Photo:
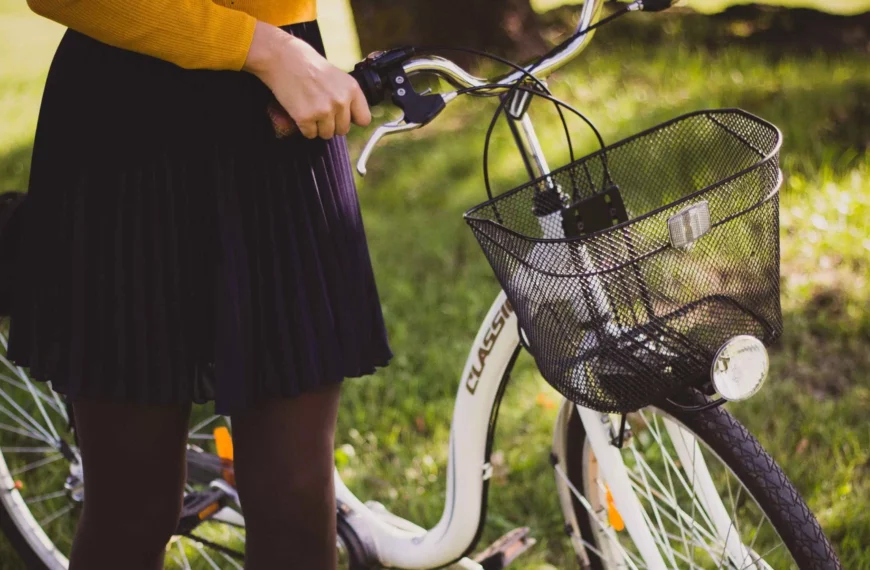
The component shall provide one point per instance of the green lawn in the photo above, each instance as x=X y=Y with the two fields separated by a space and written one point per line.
x=436 y=286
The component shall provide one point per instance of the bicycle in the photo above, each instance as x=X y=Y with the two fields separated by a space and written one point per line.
x=650 y=489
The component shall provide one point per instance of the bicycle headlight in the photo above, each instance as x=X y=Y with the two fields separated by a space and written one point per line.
x=740 y=367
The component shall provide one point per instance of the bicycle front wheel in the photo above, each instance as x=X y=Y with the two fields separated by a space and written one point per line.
x=711 y=497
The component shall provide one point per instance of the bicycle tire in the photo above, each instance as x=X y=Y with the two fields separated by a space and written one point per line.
x=741 y=452
x=29 y=558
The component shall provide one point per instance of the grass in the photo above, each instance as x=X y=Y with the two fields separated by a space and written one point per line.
x=436 y=286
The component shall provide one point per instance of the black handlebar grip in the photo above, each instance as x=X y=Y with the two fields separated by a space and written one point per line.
x=376 y=68
x=370 y=82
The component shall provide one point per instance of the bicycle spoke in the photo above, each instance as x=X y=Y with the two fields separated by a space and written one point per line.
x=55 y=515
x=183 y=555
x=231 y=561
x=27 y=449
x=674 y=494
x=32 y=422
x=761 y=557
x=36 y=464
x=667 y=457
x=46 y=497
x=19 y=431
x=751 y=547
x=604 y=528
x=694 y=543
x=54 y=403
x=202 y=424
x=236 y=532
x=660 y=540
x=658 y=518
x=673 y=502
x=61 y=406
x=733 y=505
x=42 y=411
x=725 y=550
x=697 y=534
x=642 y=463
x=30 y=388
x=700 y=531
x=199 y=548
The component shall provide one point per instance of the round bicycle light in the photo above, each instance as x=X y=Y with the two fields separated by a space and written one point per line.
x=740 y=367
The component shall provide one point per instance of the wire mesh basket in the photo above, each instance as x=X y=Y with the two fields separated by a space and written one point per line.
x=629 y=268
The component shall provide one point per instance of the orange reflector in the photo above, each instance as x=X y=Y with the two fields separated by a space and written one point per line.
x=208 y=511
x=612 y=514
x=224 y=443
x=18 y=485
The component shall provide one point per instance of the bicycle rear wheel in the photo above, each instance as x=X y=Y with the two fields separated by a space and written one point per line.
x=41 y=480
x=682 y=487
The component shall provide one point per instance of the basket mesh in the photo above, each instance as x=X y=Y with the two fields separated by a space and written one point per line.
x=618 y=318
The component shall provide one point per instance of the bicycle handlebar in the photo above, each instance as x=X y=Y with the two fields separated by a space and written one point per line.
x=389 y=71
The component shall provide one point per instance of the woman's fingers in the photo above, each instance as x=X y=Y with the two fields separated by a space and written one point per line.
x=359 y=108
x=307 y=128
x=342 y=121
x=326 y=127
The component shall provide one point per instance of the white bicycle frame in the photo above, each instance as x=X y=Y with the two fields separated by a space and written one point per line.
x=397 y=543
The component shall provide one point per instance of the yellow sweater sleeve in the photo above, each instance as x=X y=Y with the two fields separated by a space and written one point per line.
x=194 y=34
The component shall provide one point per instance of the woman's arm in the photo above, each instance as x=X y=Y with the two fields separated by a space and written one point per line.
x=194 y=34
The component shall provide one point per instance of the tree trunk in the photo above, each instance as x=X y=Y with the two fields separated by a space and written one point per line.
x=508 y=28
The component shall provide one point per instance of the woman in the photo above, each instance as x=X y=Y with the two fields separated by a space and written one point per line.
x=184 y=245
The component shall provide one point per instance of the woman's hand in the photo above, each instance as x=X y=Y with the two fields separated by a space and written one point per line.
x=319 y=97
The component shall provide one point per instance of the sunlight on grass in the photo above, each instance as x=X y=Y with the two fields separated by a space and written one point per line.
x=32 y=40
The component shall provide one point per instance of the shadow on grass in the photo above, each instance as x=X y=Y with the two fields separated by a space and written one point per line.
x=15 y=168
x=824 y=348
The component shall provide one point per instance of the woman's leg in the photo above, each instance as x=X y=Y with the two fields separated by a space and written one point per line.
x=284 y=473
x=134 y=467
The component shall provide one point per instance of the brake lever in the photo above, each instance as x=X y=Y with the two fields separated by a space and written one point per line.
x=432 y=106
x=391 y=128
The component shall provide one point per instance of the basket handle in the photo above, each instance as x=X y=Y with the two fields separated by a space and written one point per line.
x=560 y=105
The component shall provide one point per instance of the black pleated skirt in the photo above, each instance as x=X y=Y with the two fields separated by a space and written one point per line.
x=175 y=250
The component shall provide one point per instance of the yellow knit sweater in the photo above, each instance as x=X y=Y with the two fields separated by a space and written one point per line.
x=194 y=34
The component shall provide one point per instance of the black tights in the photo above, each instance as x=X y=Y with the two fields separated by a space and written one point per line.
x=134 y=466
